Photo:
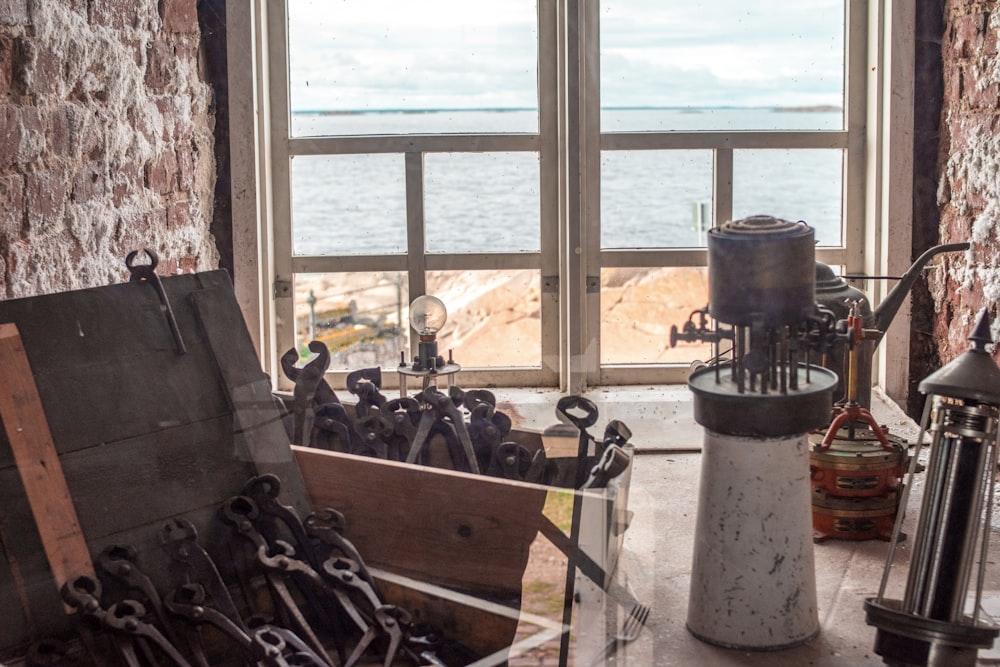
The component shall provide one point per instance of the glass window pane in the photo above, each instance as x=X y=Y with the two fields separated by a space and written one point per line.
x=792 y=184
x=716 y=54
x=655 y=199
x=348 y=205
x=494 y=317
x=481 y=202
x=357 y=315
x=638 y=307
x=377 y=56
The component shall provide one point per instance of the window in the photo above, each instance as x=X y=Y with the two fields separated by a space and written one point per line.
x=547 y=168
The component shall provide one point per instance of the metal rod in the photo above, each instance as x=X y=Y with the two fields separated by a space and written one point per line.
x=738 y=361
x=931 y=551
x=897 y=527
x=985 y=543
x=970 y=533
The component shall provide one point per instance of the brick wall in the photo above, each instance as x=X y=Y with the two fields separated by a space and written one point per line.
x=969 y=187
x=106 y=142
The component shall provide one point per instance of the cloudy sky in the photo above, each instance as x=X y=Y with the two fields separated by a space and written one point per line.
x=462 y=54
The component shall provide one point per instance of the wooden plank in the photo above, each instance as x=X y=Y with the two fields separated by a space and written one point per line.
x=38 y=463
x=449 y=528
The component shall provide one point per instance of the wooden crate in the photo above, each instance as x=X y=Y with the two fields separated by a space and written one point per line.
x=456 y=532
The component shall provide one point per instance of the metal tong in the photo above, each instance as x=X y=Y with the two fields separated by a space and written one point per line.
x=146 y=273
x=123 y=619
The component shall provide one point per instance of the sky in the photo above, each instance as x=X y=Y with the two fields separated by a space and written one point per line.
x=471 y=54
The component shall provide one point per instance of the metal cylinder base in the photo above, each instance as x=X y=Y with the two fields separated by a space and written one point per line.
x=907 y=640
x=753 y=576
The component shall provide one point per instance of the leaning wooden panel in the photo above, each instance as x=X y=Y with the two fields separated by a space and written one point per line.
x=105 y=364
x=143 y=433
x=455 y=529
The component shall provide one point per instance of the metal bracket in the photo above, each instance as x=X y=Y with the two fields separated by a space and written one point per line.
x=593 y=284
x=550 y=284
x=282 y=288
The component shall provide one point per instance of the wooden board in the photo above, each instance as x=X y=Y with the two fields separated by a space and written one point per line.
x=142 y=433
x=455 y=529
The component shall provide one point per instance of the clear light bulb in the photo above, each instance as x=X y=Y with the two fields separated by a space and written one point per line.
x=428 y=315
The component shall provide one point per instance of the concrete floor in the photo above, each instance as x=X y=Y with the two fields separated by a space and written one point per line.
x=656 y=559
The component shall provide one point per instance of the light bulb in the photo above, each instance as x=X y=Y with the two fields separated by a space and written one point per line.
x=428 y=315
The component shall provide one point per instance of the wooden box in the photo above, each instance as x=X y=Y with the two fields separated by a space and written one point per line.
x=463 y=540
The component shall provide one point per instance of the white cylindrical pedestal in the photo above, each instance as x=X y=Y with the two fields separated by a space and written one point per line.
x=753 y=576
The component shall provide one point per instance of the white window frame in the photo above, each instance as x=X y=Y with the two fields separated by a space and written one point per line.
x=876 y=210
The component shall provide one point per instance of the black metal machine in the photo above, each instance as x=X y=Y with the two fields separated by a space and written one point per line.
x=939 y=622
x=762 y=285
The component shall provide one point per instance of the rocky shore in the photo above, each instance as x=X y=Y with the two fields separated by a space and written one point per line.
x=494 y=317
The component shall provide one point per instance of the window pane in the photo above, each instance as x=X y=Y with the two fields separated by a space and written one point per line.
x=638 y=307
x=348 y=205
x=730 y=53
x=494 y=317
x=481 y=202
x=374 y=56
x=357 y=315
x=655 y=199
x=791 y=184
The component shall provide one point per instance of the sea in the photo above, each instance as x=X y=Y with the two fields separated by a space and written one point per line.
x=489 y=202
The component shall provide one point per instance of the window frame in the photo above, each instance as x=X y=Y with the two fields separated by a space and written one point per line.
x=878 y=37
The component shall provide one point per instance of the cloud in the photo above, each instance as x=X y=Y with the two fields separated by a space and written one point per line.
x=400 y=54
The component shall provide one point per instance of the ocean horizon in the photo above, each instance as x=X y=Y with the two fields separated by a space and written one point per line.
x=489 y=202
x=822 y=108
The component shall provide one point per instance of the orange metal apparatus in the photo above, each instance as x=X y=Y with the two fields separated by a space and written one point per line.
x=840 y=518
x=851 y=412
x=856 y=467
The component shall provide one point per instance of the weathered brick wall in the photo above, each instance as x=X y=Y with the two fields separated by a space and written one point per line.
x=969 y=190
x=106 y=142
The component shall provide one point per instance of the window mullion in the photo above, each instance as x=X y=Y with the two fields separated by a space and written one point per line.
x=549 y=185
x=855 y=109
x=581 y=275
x=590 y=93
x=415 y=234
x=283 y=323
x=722 y=186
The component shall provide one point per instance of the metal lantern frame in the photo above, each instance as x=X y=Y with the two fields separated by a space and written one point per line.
x=929 y=625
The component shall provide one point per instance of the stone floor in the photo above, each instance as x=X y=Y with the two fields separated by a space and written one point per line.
x=656 y=559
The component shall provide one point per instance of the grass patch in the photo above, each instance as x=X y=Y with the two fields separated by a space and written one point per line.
x=559 y=509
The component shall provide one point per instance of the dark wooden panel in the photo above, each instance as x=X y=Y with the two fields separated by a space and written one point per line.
x=143 y=433
x=106 y=366
x=139 y=481
x=32 y=608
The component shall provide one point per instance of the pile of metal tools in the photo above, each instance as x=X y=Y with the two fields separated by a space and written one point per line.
x=455 y=429
x=300 y=595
